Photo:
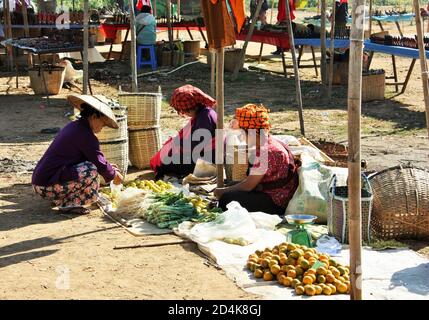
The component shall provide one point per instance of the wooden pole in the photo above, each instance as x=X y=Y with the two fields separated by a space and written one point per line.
x=323 y=45
x=295 y=69
x=370 y=17
x=170 y=29
x=332 y=48
x=246 y=42
x=354 y=157
x=220 y=112
x=154 y=7
x=422 y=55
x=26 y=28
x=8 y=33
x=85 y=46
x=133 y=59
x=213 y=72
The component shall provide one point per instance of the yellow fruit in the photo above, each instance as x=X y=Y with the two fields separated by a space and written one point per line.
x=272 y=262
x=294 y=254
x=321 y=279
x=268 y=276
x=332 y=263
x=311 y=271
x=312 y=261
x=307 y=280
x=291 y=247
x=321 y=270
x=253 y=256
x=283 y=261
x=333 y=288
x=281 y=279
x=285 y=268
x=291 y=273
x=341 y=288
x=299 y=290
x=287 y=281
x=323 y=257
x=283 y=255
x=264 y=263
x=346 y=277
x=295 y=283
x=330 y=278
x=290 y=261
x=258 y=252
x=299 y=271
x=327 y=291
x=335 y=272
x=318 y=289
x=304 y=264
x=258 y=273
x=310 y=290
x=342 y=279
x=308 y=254
x=275 y=269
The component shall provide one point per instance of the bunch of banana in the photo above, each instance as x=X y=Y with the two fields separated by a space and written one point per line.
x=158 y=186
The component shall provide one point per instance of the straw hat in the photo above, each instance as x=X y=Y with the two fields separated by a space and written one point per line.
x=99 y=103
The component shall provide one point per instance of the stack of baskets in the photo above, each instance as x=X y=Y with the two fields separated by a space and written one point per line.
x=144 y=113
x=114 y=142
x=338 y=216
x=401 y=203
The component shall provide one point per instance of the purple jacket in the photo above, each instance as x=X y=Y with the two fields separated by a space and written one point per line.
x=74 y=144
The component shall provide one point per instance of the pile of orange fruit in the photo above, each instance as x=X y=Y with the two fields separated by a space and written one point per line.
x=301 y=268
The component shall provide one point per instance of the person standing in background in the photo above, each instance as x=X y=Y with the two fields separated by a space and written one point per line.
x=262 y=13
x=281 y=17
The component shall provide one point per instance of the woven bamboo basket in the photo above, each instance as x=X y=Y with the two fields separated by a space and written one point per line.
x=373 y=87
x=116 y=152
x=108 y=134
x=401 y=203
x=144 y=143
x=144 y=109
x=235 y=169
x=338 y=206
x=232 y=58
x=192 y=49
x=53 y=76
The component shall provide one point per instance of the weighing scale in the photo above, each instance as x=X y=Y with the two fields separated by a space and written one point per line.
x=300 y=235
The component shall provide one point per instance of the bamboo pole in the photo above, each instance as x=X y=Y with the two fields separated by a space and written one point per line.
x=323 y=45
x=133 y=59
x=246 y=42
x=85 y=46
x=422 y=54
x=220 y=113
x=170 y=30
x=8 y=33
x=295 y=69
x=370 y=17
x=154 y=7
x=331 y=51
x=354 y=157
x=212 y=72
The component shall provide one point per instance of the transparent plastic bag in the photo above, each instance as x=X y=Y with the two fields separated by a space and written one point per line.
x=329 y=245
x=235 y=223
x=265 y=221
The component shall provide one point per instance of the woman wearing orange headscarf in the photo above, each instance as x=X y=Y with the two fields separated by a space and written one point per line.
x=273 y=177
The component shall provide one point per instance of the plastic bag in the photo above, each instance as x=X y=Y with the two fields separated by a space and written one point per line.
x=131 y=202
x=265 y=221
x=289 y=140
x=235 y=224
x=311 y=197
x=329 y=245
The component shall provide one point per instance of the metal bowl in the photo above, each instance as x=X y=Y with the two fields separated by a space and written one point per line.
x=300 y=218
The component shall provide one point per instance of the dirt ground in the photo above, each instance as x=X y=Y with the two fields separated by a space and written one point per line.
x=40 y=249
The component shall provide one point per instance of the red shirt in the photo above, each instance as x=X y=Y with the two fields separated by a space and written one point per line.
x=276 y=162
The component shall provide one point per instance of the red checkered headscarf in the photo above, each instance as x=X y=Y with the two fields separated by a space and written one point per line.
x=187 y=98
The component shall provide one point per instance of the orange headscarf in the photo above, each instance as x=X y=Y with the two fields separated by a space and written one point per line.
x=252 y=116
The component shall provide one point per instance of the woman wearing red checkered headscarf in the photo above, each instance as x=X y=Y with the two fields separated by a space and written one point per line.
x=196 y=140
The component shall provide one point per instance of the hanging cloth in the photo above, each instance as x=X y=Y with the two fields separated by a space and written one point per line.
x=220 y=30
x=237 y=7
x=281 y=15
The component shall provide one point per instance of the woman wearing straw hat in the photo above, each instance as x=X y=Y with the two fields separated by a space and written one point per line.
x=196 y=140
x=67 y=173
x=273 y=177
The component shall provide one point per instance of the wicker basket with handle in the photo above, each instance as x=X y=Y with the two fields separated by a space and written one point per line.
x=46 y=79
x=144 y=143
x=144 y=109
x=338 y=205
x=235 y=169
x=108 y=134
x=401 y=203
x=116 y=152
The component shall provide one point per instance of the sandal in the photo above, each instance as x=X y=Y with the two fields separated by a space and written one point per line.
x=74 y=210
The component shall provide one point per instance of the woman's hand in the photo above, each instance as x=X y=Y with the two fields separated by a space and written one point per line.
x=118 y=179
x=218 y=192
